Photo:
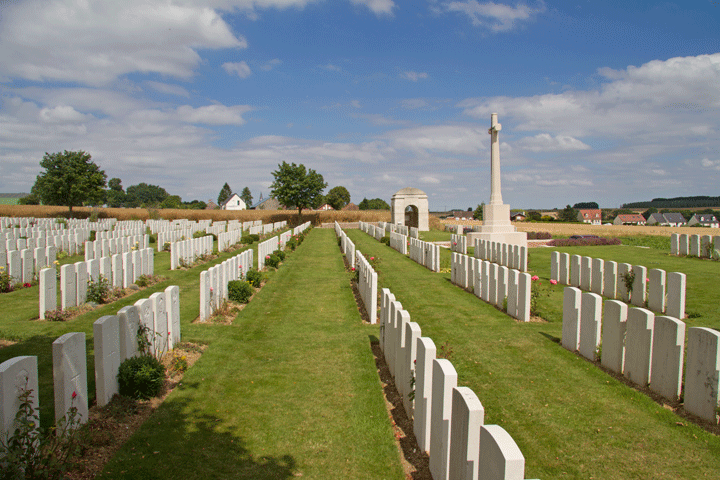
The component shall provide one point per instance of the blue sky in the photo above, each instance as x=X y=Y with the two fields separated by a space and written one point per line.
x=610 y=101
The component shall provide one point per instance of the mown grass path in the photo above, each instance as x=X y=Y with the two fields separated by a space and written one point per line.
x=289 y=389
x=569 y=418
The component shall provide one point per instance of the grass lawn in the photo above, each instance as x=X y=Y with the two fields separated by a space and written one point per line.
x=570 y=419
x=289 y=389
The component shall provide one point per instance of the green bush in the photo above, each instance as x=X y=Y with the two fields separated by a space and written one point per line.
x=292 y=243
x=98 y=291
x=152 y=238
x=255 y=237
x=272 y=261
x=385 y=240
x=141 y=377
x=247 y=239
x=255 y=278
x=280 y=254
x=239 y=291
x=93 y=236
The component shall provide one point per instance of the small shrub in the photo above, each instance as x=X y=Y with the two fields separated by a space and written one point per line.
x=152 y=238
x=583 y=242
x=272 y=261
x=255 y=237
x=6 y=281
x=166 y=246
x=385 y=240
x=247 y=239
x=179 y=363
x=255 y=278
x=57 y=315
x=292 y=243
x=280 y=255
x=539 y=236
x=141 y=377
x=98 y=292
x=239 y=291
x=92 y=236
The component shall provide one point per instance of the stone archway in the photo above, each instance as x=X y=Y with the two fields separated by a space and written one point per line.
x=410 y=208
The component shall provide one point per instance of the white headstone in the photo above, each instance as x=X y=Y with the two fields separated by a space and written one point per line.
x=638 y=345
x=571 y=318
x=667 y=357
x=106 y=340
x=613 y=335
x=17 y=375
x=702 y=373
x=500 y=457
x=444 y=380
x=468 y=415
x=70 y=375
x=426 y=352
x=129 y=319
x=591 y=310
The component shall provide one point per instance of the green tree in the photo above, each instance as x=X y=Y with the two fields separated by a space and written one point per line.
x=71 y=179
x=534 y=215
x=646 y=214
x=195 y=205
x=338 y=197
x=172 y=201
x=374 y=204
x=568 y=214
x=115 y=195
x=225 y=193
x=246 y=197
x=31 y=199
x=294 y=186
x=143 y=194
x=478 y=213
x=587 y=205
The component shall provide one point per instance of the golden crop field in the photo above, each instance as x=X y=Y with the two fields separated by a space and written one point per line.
x=566 y=229
x=267 y=216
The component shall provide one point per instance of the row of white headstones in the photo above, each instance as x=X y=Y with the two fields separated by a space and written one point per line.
x=447 y=419
x=645 y=348
x=654 y=288
x=114 y=339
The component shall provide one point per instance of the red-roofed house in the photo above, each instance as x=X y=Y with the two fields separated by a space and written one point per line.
x=592 y=216
x=629 y=219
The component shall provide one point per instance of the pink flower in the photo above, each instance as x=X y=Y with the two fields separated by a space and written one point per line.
x=647 y=280
x=74 y=394
x=372 y=258
x=267 y=257
x=534 y=278
x=353 y=269
x=239 y=266
x=211 y=289
x=554 y=282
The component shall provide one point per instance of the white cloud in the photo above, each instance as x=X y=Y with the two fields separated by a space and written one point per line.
x=414 y=76
x=168 y=88
x=707 y=163
x=62 y=114
x=213 y=114
x=241 y=69
x=269 y=65
x=331 y=68
x=96 y=42
x=459 y=140
x=497 y=17
x=355 y=104
x=429 y=179
x=545 y=142
x=378 y=7
x=414 y=103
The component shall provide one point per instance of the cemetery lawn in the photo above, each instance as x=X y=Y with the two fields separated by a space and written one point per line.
x=569 y=418
x=290 y=389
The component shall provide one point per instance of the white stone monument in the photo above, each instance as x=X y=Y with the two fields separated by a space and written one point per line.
x=496 y=225
x=410 y=208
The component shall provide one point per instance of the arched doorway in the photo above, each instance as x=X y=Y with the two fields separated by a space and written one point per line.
x=411 y=216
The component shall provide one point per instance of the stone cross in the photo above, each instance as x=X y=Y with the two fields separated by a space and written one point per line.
x=495 y=194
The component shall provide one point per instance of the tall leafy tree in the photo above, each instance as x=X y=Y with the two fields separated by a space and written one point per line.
x=225 y=193
x=373 y=204
x=71 y=179
x=568 y=214
x=478 y=213
x=144 y=194
x=338 y=197
x=295 y=186
x=115 y=195
x=246 y=197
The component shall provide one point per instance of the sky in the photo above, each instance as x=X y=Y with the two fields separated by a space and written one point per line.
x=604 y=101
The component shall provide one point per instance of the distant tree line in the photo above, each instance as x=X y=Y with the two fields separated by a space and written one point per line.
x=677 y=202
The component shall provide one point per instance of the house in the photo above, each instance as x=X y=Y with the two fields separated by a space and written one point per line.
x=234 y=203
x=518 y=217
x=704 y=220
x=350 y=207
x=211 y=205
x=268 y=204
x=675 y=219
x=592 y=216
x=461 y=215
x=325 y=207
x=629 y=219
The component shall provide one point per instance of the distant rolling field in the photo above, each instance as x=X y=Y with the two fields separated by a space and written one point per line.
x=9 y=201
